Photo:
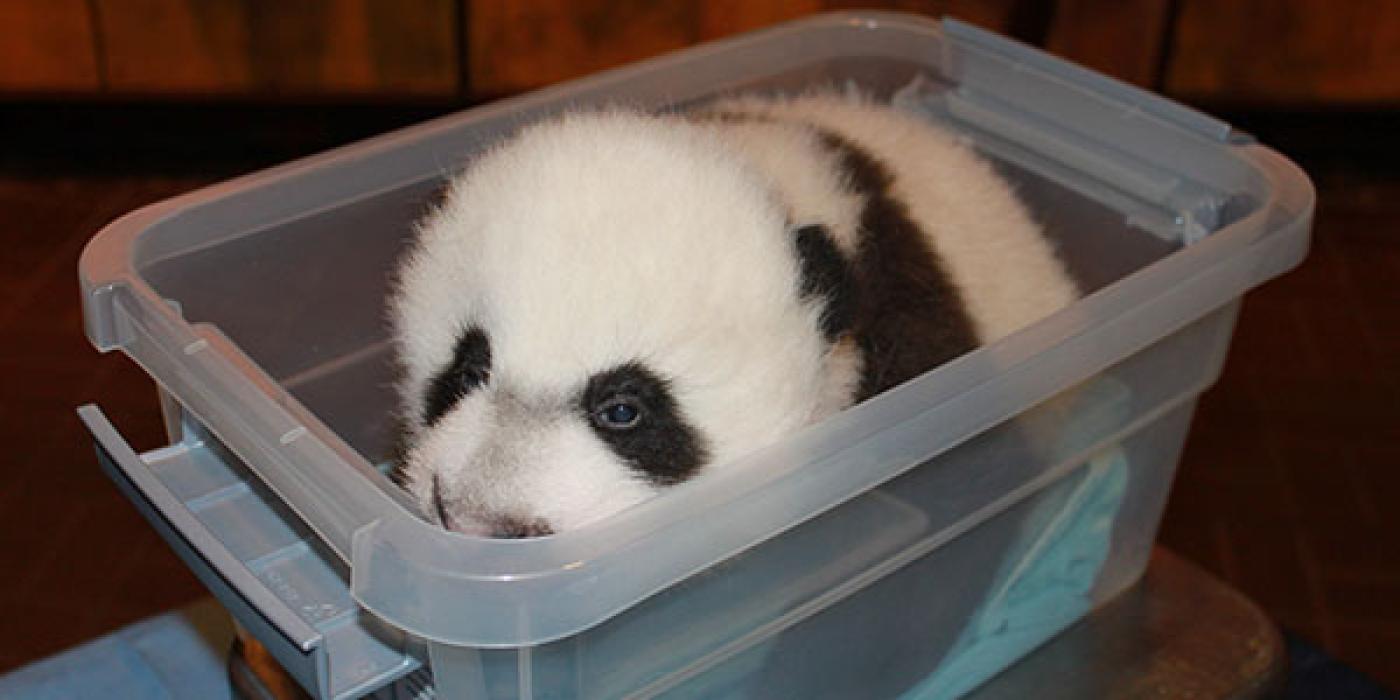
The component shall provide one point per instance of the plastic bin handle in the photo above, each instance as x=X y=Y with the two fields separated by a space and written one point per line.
x=298 y=646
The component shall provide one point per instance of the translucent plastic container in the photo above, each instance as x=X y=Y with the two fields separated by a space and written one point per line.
x=911 y=546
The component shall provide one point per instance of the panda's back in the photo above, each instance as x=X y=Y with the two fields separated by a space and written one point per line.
x=943 y=254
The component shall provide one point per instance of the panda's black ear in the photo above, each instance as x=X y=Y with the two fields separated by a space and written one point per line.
x=826 y=275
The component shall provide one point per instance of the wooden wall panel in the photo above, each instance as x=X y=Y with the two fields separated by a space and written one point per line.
x=1247 y=52
x=47 y=46
x=1287 y=51
x=1121 y=38
x=267 y=46
x=996 y=15
x=516 y=45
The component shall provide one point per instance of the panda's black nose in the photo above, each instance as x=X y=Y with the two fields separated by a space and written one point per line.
x=509 y=528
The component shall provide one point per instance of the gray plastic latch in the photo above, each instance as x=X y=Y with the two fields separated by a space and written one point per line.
x=259 y=561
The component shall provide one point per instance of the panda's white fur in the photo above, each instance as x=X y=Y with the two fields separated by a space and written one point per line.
x=599 y=239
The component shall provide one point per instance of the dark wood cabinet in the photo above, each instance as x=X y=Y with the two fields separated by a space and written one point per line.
x=257 y=48
x=264 y=46
x=370 y=48
x=1122 y=38
x=47 y=46
x=1275 y=52
x=513 y=46
x=1249 y=52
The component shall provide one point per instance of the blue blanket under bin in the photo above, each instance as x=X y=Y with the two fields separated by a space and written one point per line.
x=179 y=654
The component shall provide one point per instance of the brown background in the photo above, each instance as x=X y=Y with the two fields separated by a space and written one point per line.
x=1283 y=52
x=1290 y=486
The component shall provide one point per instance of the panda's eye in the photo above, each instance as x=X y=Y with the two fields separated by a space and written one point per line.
x=620 y=413
x=472 y=377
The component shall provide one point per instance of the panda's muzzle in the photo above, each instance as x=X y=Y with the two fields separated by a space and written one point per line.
x=504 y=527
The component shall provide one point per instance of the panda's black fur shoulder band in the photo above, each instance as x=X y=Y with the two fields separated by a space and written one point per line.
x=910 y=315
x=826 y=276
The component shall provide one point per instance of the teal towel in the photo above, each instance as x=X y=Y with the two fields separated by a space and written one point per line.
x=1046 y=584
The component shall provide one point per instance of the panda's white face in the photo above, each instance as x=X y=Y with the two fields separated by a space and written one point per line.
x=604 y=306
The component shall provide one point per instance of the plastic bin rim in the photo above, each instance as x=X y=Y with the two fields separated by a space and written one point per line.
x=99 y=271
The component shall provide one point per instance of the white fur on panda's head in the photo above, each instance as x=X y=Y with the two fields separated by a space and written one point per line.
x=601 y=307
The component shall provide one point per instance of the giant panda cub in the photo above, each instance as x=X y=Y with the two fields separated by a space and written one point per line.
x=612 y=302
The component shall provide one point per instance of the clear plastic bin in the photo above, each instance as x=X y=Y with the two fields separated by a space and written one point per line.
x=911 y=546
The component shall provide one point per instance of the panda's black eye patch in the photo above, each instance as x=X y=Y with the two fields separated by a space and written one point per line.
x=634 y=412
x=469 y=368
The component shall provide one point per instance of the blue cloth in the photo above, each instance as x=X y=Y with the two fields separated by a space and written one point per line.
x=1046 y=584
x=178 y=654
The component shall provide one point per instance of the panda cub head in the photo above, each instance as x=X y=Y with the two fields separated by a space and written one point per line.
x=603 y=306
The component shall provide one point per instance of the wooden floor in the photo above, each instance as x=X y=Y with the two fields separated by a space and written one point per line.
x=1290 y=486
